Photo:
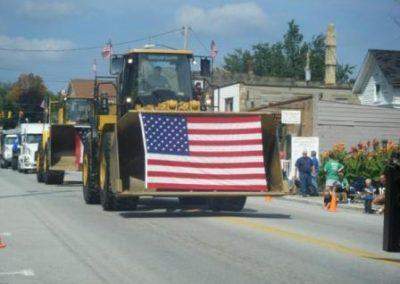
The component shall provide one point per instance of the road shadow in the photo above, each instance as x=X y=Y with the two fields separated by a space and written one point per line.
x=70 y=184
x=393 y=260
x=200 y=214
x=147 y=209
x=32 y=193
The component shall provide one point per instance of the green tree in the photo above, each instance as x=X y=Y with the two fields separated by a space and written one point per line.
x=27 y=94
x=317 y=57
x=240 y=61
x=269 y=60
x=286 y=58
x=344 y=73
x=295 y=51
x=6 y=107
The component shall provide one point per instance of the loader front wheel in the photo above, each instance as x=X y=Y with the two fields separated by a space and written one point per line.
x=53 y=177
x=39 y=165
x=107 y=198
x=235 y=204
x=90 y=193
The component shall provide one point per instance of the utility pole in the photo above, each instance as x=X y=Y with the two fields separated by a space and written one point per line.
x=185 y=37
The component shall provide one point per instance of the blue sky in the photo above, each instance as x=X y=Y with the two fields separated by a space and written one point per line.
x=58 y=24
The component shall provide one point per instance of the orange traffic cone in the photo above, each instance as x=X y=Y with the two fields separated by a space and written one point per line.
x=333 y=206
x=2 y=245
x=268 y=198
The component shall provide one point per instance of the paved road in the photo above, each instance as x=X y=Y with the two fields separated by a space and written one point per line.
x=52 y=237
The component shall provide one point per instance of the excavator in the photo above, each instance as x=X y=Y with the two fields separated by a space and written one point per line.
x=148 y=123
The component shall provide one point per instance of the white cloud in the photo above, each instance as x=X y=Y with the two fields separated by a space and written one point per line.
x=46 y=10
x=15 y=58
x=229 y=19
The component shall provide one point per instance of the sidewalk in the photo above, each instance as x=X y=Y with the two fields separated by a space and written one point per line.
x=317 y=200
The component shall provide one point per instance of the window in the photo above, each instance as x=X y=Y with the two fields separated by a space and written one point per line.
x=165 y=75
x=377 y=92
x=33 y=138
x=229 y=104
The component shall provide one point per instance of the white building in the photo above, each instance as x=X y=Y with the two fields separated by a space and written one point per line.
x=378 y=82
x=241 y=96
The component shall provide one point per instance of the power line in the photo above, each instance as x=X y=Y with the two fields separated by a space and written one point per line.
x=198 y=39
x=89 y=47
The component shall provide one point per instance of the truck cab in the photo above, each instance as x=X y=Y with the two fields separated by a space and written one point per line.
x=31 y=136
x=8 y=140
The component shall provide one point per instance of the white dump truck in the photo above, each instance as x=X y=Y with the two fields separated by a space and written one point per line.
x=8 y=139
x=31 y=135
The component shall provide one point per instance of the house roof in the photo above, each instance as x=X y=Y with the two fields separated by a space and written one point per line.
x=83 y=88
x=388 y=62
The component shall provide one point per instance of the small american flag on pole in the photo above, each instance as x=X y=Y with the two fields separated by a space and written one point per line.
x=107 y=50
x=213 y=50
x=203 y=153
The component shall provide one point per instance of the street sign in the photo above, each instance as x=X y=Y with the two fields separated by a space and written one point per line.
x=291 y=117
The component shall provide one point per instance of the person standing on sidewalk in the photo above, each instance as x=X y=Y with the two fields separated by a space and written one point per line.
x=314 y=174
x=332 y=169
x=304 y=168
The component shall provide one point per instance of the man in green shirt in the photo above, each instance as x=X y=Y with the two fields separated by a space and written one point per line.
x=332 y=169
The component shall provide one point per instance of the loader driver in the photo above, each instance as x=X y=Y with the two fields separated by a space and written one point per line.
x=157 y=81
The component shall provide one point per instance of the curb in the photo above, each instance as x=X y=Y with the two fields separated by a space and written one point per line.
x=312 y=202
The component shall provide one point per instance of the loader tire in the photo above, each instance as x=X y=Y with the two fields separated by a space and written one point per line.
x=108 y=200
x=234 y=204
x=39 y=165
x=14 y=163
x=52 y=177
x=90 y=192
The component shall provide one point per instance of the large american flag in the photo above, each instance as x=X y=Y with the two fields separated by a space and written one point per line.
x=203 y=152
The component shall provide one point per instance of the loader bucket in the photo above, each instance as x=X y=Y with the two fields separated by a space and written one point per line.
x=65 y=148
x=130 y=161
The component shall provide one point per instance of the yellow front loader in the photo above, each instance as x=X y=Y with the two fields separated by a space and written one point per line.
x=61 y=148
x=156 y=84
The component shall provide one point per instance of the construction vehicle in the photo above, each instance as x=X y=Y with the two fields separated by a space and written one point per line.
x=31 y=135
x=61 y=148
x=114 y=157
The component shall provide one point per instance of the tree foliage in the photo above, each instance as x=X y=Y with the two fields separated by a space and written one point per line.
x=28 y=93
x=240 y=61
x=286 y=58
x=22 y=97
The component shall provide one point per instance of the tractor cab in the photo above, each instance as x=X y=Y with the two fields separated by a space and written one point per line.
x=154 y=79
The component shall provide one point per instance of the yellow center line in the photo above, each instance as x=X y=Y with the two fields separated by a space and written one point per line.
x=311 y=240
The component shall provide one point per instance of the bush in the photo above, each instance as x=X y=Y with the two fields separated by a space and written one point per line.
x=366 y=160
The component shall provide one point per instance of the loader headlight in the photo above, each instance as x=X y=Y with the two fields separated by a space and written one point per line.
x=128 y=100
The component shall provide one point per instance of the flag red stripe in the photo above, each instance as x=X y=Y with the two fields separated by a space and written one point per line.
x=224 y=131
x=236 y=119
x=204 y=165
x=206 y=187
x=226 y=154
x=225 y=143
x=204 y=176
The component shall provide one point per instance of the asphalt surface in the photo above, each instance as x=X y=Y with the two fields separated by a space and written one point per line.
x=53 y=237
